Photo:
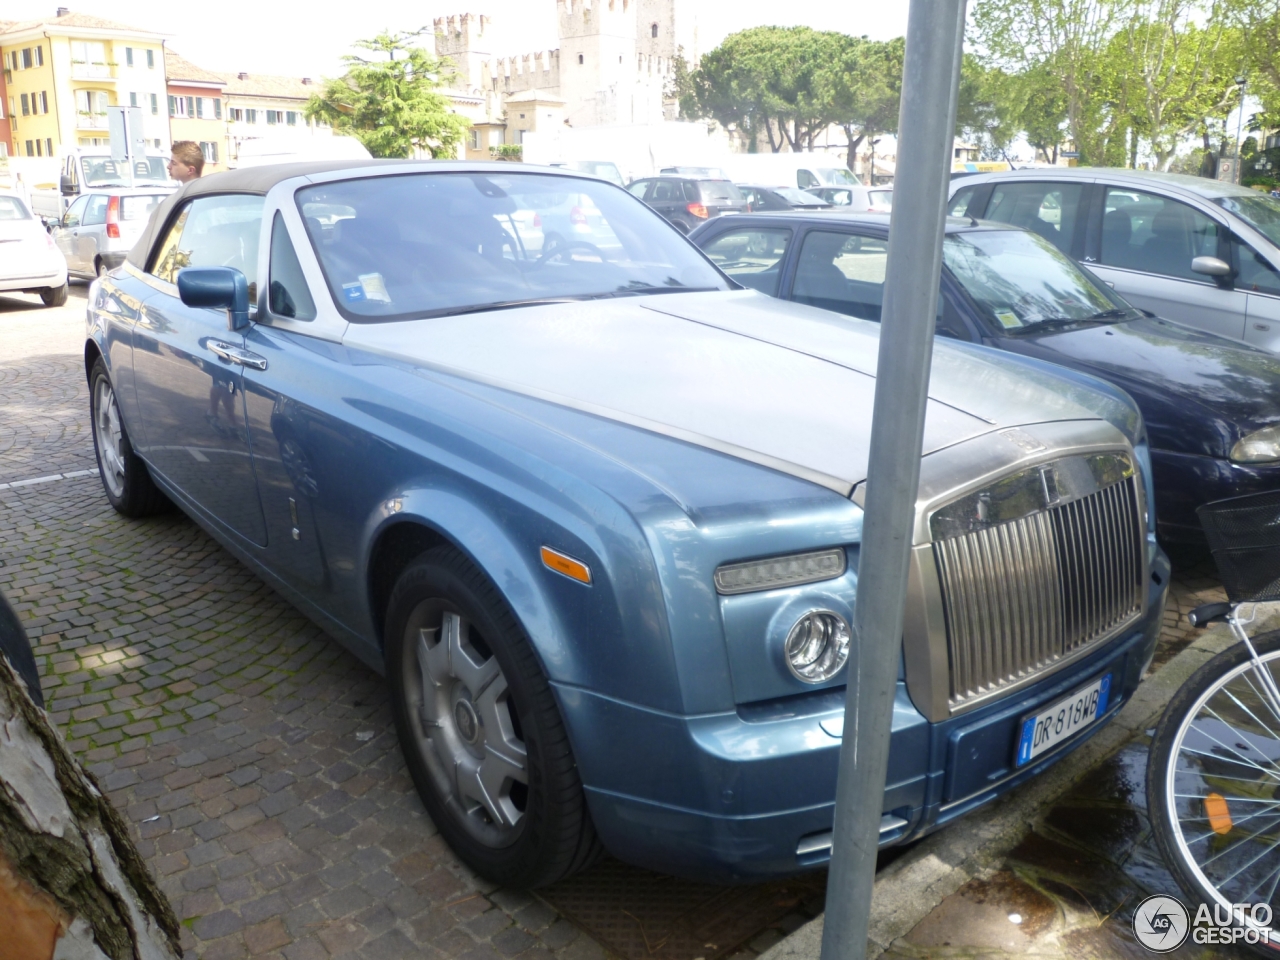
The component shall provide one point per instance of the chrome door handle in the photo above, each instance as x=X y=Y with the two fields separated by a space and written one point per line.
x=235 y=355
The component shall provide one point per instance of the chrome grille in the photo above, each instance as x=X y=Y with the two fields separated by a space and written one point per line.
x=1019 y=596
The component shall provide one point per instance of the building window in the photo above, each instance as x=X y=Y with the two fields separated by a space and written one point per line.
x=4 y=149
x=237 y=115
x=209 y=150
x=291 y=118
x=151 y=59
x=44 y=102
x=26 y=108
x=39 y=149
x=653 y=30
x=474 y=140
x=26 y=58
x=251 y=116
x=199 y=110
x=48 y=146
x=31 y=151
x=39 y=56
x=133 y=99
x=128 y=58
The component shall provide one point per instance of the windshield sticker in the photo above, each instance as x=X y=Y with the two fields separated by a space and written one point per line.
x=374 y=287
x=353 y=291
x=1008 y=319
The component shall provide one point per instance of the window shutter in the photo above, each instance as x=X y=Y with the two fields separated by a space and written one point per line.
x=217 y=109
x=39 y=56
x=191 y=106
x=155 y=105
x=173 y=106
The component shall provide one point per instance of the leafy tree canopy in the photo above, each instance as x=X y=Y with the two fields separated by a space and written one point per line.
x=390 y=101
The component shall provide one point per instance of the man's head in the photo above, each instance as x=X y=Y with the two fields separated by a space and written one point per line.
x=186 y=162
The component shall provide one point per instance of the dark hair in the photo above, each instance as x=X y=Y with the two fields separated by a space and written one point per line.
x=188 y=152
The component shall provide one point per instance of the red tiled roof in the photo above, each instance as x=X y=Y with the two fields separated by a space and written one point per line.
x=178 y=69
x=69 y=20
x=262 y=85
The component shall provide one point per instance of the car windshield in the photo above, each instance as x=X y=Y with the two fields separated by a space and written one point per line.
x=11 y=208
x=433 y=244
x=1260 y=212
x=721 y=191
x=1021 y=281
x=836 y=176
x=105 y=172
x=881 y=198
x=797 y=196
x=140 y=207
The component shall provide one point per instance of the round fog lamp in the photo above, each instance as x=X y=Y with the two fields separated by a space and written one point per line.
x=818 y=646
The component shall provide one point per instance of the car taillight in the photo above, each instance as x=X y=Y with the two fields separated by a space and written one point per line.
x=537 y=220
x=577 y=217
x=699 y=210
x=49 y=242
x=113 y=218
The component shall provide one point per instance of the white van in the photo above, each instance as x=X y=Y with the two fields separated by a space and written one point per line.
x=264 y=150
x=803 y=170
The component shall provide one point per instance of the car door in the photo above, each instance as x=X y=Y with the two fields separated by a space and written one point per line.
x=1260 y=282
x=667 y=197
x=92 y=236
x=1145 y=249
x=189 y=384
x=67 y=234
x=284 y=426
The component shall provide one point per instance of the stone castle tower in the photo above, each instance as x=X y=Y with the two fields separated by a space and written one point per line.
x=613 y=65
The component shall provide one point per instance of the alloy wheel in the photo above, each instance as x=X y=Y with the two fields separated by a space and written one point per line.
x=466 y=726
x=109 y=434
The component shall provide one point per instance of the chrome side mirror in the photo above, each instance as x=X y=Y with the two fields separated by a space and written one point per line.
x=1211 y=267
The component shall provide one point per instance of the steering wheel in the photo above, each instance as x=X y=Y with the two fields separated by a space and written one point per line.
x=560 y=247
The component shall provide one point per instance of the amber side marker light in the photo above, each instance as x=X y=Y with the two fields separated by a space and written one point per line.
x=1215 y=808
x=571 y=568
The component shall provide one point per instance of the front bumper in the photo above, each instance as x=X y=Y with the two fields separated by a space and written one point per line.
x=1185 y=481
x=749 y=795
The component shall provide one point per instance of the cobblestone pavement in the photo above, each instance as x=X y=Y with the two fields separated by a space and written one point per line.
x=255 y=759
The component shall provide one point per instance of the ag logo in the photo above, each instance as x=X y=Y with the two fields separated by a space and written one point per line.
x=1161 y=923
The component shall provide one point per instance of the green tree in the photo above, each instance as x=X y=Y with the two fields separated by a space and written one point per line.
x=390 y=101
x=861 y=87
x=765 y=81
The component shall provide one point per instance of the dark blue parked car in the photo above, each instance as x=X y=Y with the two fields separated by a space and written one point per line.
x=596 y=515
x=1211 y=405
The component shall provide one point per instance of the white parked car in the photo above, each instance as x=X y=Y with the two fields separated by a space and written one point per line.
x=30 y=262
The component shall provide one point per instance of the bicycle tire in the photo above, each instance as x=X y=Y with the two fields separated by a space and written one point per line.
x=1217 y=832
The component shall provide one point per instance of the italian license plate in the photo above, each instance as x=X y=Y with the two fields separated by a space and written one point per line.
x=1044 y=730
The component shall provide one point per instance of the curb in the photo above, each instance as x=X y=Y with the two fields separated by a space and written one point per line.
x=934 y=868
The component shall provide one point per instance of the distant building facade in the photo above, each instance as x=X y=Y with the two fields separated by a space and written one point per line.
x=195 y=109
x=259 y=105
x=61 y=74
x=614 y=65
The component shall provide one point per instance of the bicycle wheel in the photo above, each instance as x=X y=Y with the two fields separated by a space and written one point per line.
x=1213 y=786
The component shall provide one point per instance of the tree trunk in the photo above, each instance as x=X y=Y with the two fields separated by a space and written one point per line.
x=72 y=884
x=851 y=158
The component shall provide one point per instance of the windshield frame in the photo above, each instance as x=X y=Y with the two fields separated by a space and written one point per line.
x=985 y=315
x=298 y=196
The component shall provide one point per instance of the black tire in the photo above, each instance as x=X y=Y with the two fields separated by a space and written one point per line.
x=550 y=835
x=54 y=296
x=125 y=479
x=1169 y=829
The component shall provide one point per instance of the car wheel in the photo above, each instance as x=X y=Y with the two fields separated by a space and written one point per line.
x=125 y=479
x=480 y=729
x=54 y=296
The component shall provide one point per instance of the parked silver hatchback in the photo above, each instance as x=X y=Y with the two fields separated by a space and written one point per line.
x=1200 y=252
x=100 y=228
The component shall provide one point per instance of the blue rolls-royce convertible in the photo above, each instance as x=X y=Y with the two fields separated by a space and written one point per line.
x=594 y=510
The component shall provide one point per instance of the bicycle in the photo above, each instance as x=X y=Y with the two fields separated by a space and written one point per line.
x=1213 y=773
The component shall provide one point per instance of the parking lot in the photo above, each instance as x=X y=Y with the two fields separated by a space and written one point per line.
x=255 y=760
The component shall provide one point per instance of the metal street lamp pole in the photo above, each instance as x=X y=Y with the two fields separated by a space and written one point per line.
x=1242 y=83
x=926 y=128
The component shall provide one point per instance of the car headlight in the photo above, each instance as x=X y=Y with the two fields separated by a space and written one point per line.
x=1261 y=446
x=776 y=572
x=818 y=646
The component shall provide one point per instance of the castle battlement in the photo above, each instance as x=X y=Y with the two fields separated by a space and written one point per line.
x=535 y=71
x=458 y=33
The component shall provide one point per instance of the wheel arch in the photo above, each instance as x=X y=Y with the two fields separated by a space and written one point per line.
x=92 y=354
x=410 y=525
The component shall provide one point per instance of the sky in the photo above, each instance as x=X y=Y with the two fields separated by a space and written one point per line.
x=302 y=39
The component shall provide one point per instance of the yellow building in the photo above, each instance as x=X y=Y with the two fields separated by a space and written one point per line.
x=62 y=73
x=195 y=109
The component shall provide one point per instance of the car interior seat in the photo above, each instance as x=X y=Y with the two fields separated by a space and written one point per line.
x=1167 y=249
x=1117 y=234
